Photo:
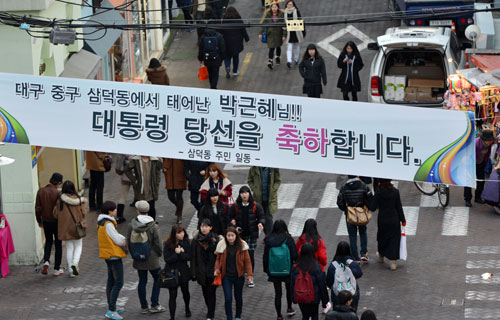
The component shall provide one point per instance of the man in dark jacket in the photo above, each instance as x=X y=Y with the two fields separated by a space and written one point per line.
x=343 y=310
x=211 y=52
x=46 y=199
x=195 y=174
x=355 y=193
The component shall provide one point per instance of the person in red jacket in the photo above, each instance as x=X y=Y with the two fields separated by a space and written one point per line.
x=310 y=234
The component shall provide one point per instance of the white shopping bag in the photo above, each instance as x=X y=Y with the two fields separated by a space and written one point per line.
x=402 y=246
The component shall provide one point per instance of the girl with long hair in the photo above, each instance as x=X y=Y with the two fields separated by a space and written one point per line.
x=275 y=35
x=276 y=238
x=233 y=261
x=310 y=235
x=214 y=210
x=234 y=40
x=177 y=253
x=293 y=38
x=312 y=68
x=351 y=63
x=216 y=179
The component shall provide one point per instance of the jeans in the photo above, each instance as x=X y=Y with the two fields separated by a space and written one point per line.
x=96 y=189
x=227 y=286
x=271 y=52
x=210 y=298
x=268 y=225
x=309 y=311
x=115 y=282
x=195 y=200
x=50 y=231
x=291 y=52
x=173 y=297
x=213 y=76
x=278 y=293
x=353 y=240
x=345 y=94
x=73 y=251
x=236 y=62
x=141 y=288
x=480 y=183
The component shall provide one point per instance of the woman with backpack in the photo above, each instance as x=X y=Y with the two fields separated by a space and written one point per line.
x=312 y=68
x=234 y=40
x=280 y=243
x=177 y=253
x=351 y=63
x=233 y=261
x=214 y=210
x=275 y=35
x=202 y=263
x=310 y=235
x=343 y=265
x=308 y=283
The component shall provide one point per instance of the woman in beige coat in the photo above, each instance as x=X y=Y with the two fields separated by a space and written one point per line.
x=70 y=208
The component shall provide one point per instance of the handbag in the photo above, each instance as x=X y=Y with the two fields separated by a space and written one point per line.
x=217 y=280
x=106 y=161
x=169 y=277
x=402 y=246
x=358 y=216
x=203 y=73
x=264 y=36
x=81 y=226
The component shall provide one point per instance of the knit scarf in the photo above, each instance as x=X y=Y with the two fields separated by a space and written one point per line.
x=295 y=17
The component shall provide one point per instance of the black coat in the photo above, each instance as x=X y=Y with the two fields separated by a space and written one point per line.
x=390 y=216
x=357 y=66
x=179 y=261
x=203 y=259
x=247 y=219
x=341 y=313
x=313 y=73
x=219 y=221
x=355 y=194
x=221 y=48
x=234 y=37
x=276 y=240
x=192 y=170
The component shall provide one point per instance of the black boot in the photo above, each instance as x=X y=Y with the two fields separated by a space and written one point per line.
x=119 y=213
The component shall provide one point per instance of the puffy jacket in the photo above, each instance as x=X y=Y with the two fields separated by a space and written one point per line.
x=146 y=223
x=158 y=75
x=71 y=204
x=356 y=194
x=313 y=73
x=276 y=240
x=219 y=221
x=192 y=170
x=320 y=254
x=46 y=199
x=247 y=219
x=225 y=186
x=318 y=278
x=179 y=260
x=243 y=262
x=341 y=313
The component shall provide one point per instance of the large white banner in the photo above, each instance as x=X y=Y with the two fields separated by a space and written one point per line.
x=333 y=136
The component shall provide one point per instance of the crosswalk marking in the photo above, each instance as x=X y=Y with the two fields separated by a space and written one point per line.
x=288 y=194
x=342 y=227
x=455 y=221
x=429 y=201
x=298 y=218
x=484 y=249
x=483 y=264
x=483 y=295
x=329 y=199
x=193 y=225
x=477 y=279
x=411 y=215
x=482 y=313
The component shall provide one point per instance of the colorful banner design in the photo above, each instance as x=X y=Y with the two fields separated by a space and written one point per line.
x=332 y=136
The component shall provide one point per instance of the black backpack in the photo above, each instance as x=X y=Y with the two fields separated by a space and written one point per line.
x=210 y=47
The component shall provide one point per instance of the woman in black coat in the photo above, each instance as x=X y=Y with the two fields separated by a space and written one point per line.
x=312 y=69
x=234 y=40
x=177 y=253
x=195 y=174
x=390 y=219
x=351 y=63
x=278 y=236
x=216 y=211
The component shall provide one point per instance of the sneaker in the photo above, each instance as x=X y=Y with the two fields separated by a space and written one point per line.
x=74 y=269
x=289 y=65
x=113 y=315
x=56 y=273
x=365 y=257
x=251 y=284
x=327 y=308
x=120 y=311
x=278 y=61
x=468 y=203
x=270 y=64
x=290 y=312
x=157 y=309
x=45 y=268
x=236 y=74
x=144 y=310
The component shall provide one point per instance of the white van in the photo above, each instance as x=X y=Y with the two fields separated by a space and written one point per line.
x=412 y=64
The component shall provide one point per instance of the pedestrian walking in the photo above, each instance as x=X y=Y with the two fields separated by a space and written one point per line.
x=217 y=179
x=311 y=235
x=389 y=221
x=247 y=216
x=211 y=51
x=46 y=199
x=344 y=263
x=203 y=262
x=111 y=244
x=157 y=73
x=121 y=163
x=483 y=150
x=232 y=262
x=308 y=283
x=144 y=173
x=368 y=315
x=197 y=11
x=343 y=310
x=264 y=183
x=143 y=239
x=69 y=211
x=177 y=254
x=195 y=171
x=219 y=7
x=293 y=38
x=351 y=63
x=175 y=183
x=275 y=35
x=94 y=162
x=233 y=38
x=216 y=211
x=185 y=6
x=312 y=68
x=355 y=193
x=279 y=243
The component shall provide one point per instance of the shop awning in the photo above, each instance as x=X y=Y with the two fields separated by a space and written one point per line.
x=82 y=65
x=486 y=62
x=480 y=79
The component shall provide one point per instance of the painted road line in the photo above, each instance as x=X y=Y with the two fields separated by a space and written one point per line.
x=327 y=46
x=483 y=264
x=128 y=286
x=482 y=295
x=329 y=199
x=481 y=313
x=342 y=227
x=477 y=279
x=411 y=215
x=483 y=249
x=82 y=304
x=193 y=225
x=288 y=194
x=429 y=201
x=455 y=221
x=244 y=66
x=298 y=218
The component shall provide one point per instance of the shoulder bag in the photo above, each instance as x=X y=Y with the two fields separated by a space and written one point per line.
x=169 y=277
x=106 y=161
x=81 y=227
x=357 y=216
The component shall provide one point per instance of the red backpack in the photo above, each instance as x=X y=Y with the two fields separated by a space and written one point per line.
x=304 y=288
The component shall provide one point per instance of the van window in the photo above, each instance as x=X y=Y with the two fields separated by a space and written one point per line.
x=455 y=48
